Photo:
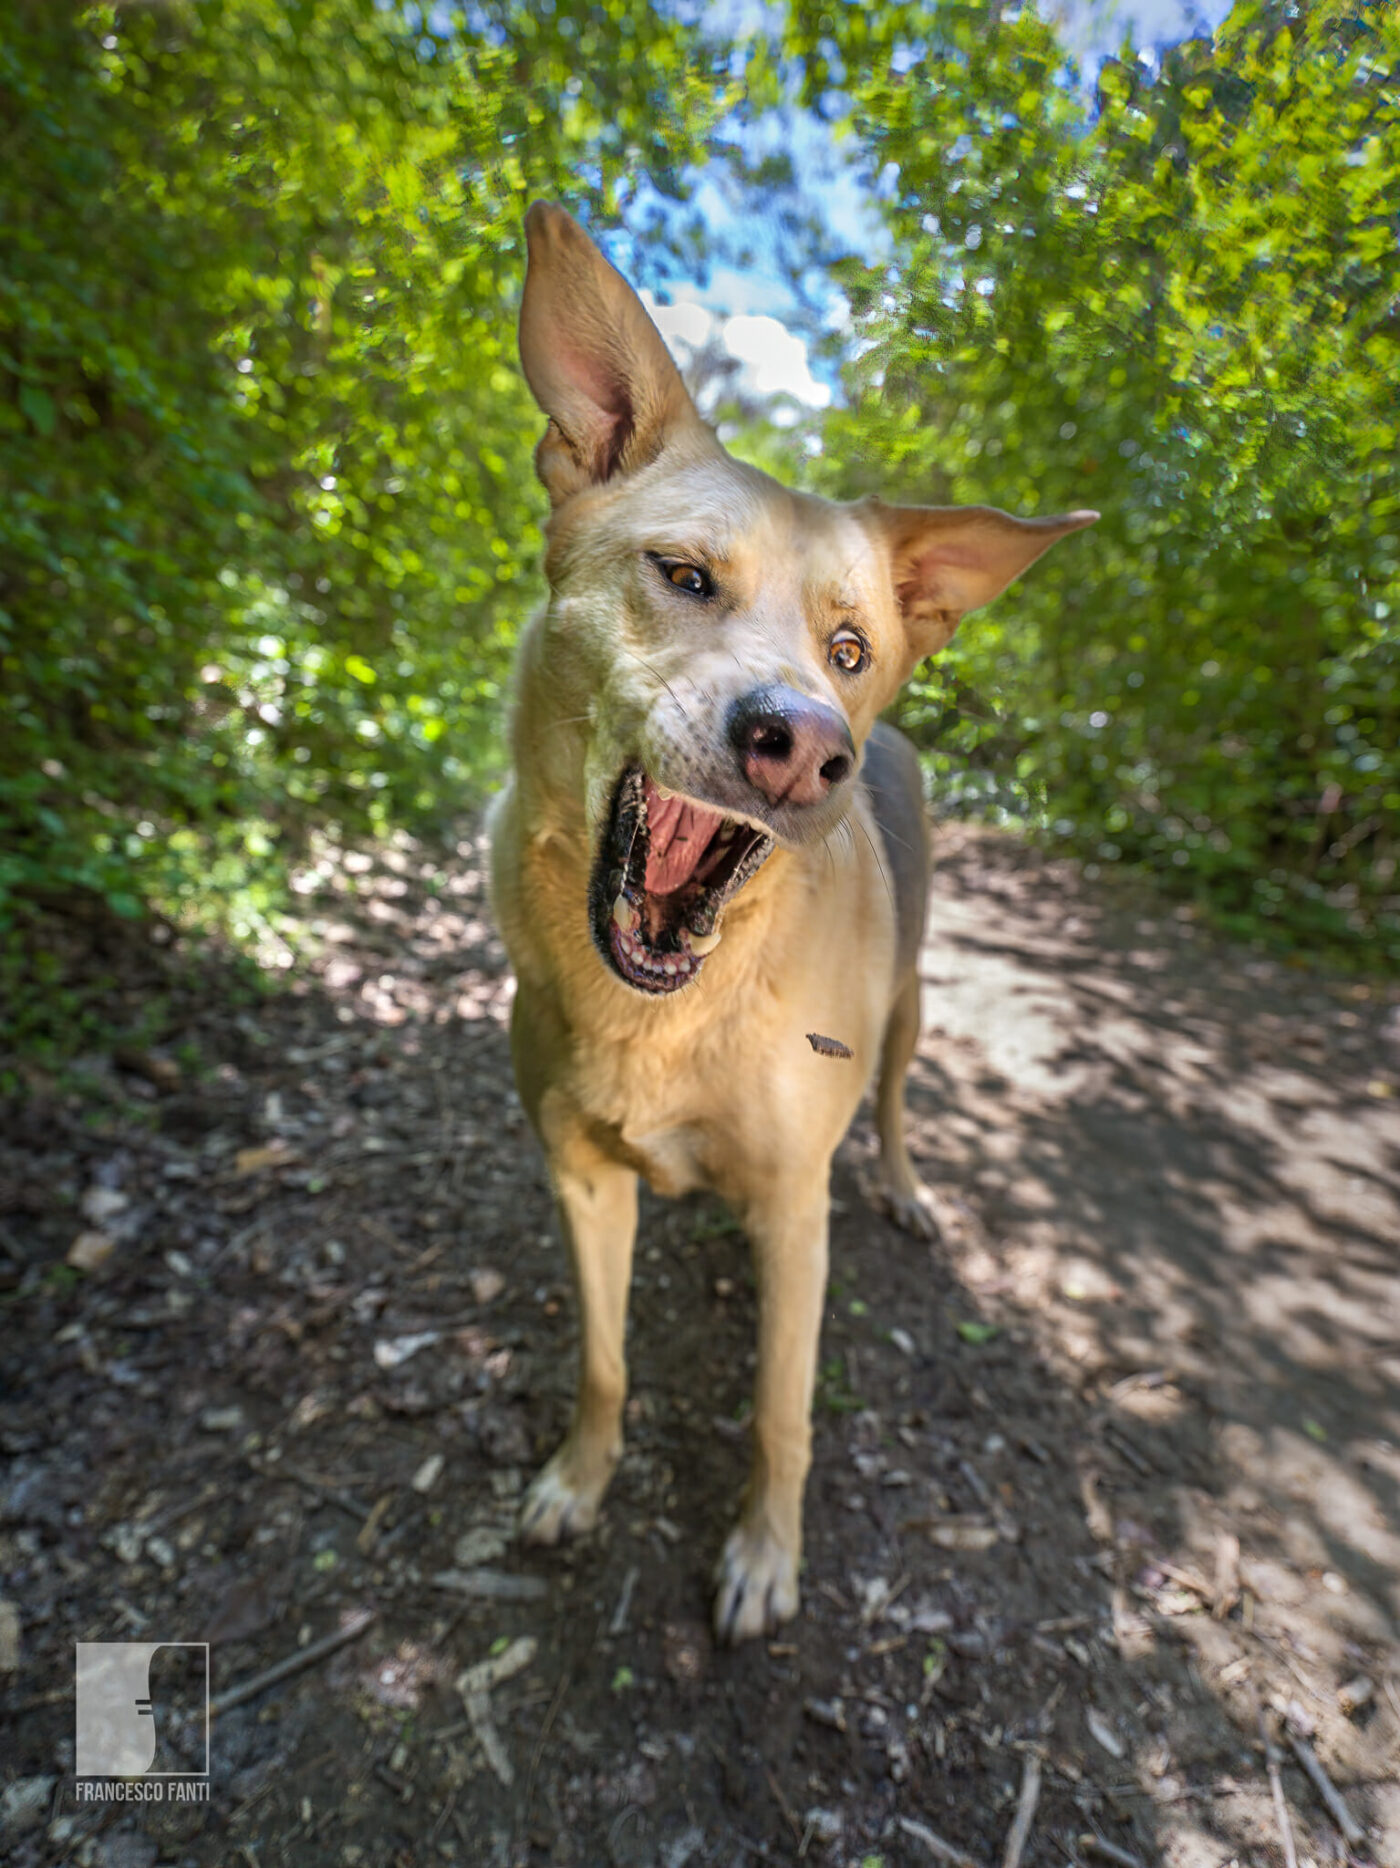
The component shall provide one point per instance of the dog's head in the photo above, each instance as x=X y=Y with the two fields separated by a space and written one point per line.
x=721 y=645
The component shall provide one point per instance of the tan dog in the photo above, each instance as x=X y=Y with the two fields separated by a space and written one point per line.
x=707 y=851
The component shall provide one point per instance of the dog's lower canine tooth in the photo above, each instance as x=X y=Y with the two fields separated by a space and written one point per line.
x=625 y=916
x=701 y=944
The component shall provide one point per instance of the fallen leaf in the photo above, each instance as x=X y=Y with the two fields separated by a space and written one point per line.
x=163 y=1072
x=684 y=1646
x=1103 y=1732
x=368 y=1535
x=248 y=1608
x=961 y=1533
x=481 y=1545
x=487 y=1283
x=828 y=1712
x=91 y=1249
x=100 y=1203
x=255 y=1160
x=428 y=1473
x=391 y=1351
x=514 y=1658
x=977 y=1333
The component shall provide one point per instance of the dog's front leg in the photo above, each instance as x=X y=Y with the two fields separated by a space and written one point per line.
x=598 y=1213
x=757 y=1573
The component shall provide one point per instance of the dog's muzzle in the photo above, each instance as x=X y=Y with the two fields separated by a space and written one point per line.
x=665 y=869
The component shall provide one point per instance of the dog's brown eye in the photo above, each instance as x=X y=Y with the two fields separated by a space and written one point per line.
x=683 y=574
x=689 y=577
x=847 y=652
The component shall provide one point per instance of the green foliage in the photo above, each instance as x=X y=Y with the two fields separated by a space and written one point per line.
x=977 y=1333
x=267 y=513
x=1181 y=307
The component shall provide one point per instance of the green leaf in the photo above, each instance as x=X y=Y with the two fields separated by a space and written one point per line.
x=38 y=405
x=977 y=1333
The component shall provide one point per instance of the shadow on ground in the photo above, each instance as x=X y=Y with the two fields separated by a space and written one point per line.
x=1108 y=1472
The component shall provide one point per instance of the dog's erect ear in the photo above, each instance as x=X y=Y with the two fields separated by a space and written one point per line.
x=945 y=560
x=594 y=359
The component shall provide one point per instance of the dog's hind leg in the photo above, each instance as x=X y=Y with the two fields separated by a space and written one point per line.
x=892 y=780
x=757 y=1574
x=598 y=1213
x=898 y=1190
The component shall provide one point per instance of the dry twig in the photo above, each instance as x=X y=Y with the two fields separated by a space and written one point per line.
x=496 y=1668
x=1096 y=1845
x=1271 y=1764
x=1327 y=1790
x=487 y=1585
x=1025 y=1813
x=939 y=1849
x=478 y=1707
x=294 y=1663
x=333 y=1494
x=1227 y=1575
x=624 y=1602
x=475 y=1687
x=789 y=1814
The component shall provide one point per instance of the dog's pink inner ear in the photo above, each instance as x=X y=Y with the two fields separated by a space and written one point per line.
x=946 y=560
x=941 y=579
x=602 y=408
x=594 y=359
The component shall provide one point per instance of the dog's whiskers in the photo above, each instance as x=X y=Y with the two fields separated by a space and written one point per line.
x=644 y=663
x=879 y=863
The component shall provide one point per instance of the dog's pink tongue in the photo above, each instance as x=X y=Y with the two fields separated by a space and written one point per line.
x=678 y=835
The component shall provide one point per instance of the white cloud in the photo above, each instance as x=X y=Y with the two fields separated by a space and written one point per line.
x=684 y=322
x=776 y=359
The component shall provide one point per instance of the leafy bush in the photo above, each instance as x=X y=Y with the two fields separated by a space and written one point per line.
x=269 y=519
x=1181 y=306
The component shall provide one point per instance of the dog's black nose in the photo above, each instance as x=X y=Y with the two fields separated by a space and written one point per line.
x=792 y=749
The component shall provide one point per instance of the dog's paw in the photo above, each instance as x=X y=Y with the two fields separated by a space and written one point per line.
x=755 y=1585
x=912 y=1212
x=558 y=1505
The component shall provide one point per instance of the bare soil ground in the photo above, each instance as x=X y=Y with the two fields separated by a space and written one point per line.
x=1102 y=1476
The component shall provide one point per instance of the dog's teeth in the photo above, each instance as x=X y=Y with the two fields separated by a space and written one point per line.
x=625 y=916
x=664 y=795
x=669 y=967
x=701 y=944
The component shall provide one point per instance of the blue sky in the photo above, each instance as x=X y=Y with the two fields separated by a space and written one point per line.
x=752 y=308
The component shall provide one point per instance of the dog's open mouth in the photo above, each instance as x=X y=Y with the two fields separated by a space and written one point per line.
x=665 y=870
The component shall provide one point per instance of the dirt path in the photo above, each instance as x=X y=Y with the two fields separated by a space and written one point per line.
x=1110 y=1469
